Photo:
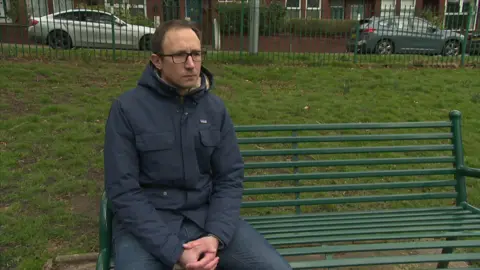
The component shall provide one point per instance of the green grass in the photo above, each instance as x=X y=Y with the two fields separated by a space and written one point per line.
x=52 y=116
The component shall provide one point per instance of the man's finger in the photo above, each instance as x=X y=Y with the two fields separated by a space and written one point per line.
x=192 y=244
x=208 y=258
x=212 y=265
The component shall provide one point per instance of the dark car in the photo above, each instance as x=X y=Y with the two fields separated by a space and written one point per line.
x=473 y=43
x=388 y=35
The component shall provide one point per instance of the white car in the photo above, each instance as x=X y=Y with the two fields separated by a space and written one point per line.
x=88 y=28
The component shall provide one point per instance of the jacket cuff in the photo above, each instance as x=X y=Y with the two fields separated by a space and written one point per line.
x=220 y=242
x=174 y=255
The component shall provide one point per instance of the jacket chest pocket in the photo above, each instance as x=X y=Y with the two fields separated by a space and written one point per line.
x=155 y=152
x=209 y=139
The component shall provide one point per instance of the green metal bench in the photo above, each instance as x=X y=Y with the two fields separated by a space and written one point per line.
x=382 y=188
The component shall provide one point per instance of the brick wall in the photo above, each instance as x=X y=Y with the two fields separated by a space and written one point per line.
x=288 y=44
x=13 y=33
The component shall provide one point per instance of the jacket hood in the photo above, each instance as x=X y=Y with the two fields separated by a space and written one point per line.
x=151 y=80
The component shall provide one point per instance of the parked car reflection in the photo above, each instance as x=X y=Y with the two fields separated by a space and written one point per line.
x=88 y=28
x=388 y=35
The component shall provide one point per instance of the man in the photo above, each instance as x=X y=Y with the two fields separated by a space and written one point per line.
x=173 y=169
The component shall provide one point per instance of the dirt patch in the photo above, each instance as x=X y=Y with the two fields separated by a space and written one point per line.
x=85 y=205
x=225 y=91
x=96 y=174
x=26 y=161
x=15 y=105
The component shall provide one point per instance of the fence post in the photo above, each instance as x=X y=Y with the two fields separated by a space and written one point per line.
x=355 y=50
x=465 y=37
x=113 y=39
x=242 y=15
x=254 y=25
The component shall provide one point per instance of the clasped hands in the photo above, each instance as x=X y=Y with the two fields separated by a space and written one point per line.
x=192 y=259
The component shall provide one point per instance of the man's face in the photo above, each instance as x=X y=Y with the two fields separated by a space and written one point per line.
x=176 y=68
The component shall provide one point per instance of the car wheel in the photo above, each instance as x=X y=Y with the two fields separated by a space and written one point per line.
x=146 y=43
x=451 y=48
x=59 y=39
x=384 y=46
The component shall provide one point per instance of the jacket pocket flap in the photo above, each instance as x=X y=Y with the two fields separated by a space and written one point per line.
x=210 y=137
x=154 y=141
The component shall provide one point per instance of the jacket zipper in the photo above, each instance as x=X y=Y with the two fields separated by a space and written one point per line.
x=182 y=121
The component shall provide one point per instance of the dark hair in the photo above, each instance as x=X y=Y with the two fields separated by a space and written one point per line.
x=159 y=35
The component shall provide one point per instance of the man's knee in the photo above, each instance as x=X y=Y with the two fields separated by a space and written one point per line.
x=130 y=255
x=249 y=250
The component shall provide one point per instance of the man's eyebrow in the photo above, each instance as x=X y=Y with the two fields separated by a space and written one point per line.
x=182 y=52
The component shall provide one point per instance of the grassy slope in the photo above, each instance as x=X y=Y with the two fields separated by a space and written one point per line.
x=52 y=119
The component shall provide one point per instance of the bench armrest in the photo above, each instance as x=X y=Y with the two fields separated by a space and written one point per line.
x=470 y=172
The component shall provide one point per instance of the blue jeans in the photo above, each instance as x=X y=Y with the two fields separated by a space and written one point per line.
x=248 y=250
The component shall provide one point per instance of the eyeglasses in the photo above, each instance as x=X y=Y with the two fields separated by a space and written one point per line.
x=180 y=58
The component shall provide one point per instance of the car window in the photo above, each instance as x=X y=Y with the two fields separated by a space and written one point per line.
x=386 y=22
x=420 y=25
x=401 y=23
x=71 y=16
x=97 y=17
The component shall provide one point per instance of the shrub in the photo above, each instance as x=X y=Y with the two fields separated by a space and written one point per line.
x=273 y=21
x=319 y=27
x=272 y=18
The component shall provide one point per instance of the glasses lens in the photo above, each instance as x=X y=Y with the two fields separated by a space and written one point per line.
x=179 y=58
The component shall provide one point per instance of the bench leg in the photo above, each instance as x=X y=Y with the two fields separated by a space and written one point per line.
x=443 y=265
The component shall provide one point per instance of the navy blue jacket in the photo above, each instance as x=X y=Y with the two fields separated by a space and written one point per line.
x=168 y=158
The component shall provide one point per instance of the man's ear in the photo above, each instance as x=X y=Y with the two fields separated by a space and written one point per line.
x=157 y=61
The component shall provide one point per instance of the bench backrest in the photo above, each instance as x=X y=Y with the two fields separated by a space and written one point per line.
x=306 y=168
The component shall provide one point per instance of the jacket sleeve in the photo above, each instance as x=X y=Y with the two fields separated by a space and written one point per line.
x=125 y=194
x=228 y=173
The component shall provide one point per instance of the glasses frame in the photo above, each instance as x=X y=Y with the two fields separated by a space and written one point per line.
x=190 y=54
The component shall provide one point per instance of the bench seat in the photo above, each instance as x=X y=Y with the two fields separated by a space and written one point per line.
x=335 y=196
x=411 y=229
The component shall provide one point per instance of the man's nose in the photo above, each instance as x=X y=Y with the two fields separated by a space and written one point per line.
x=189 y=63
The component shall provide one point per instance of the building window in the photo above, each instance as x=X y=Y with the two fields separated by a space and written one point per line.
x=388 y=8
x=138 y=7
x=171 y=10
x=293 y=9
x=407 y=8
x=337 y=9
x=357 y=12
x=3 y=9
x=314 y=9
x=456 y=14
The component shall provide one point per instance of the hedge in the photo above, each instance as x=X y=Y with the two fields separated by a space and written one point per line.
x=272 y=18
x=273 y=21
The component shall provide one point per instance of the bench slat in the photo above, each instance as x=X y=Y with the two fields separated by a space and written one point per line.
x=386 y=260
x=343 y=126
x=371 y=220
x=349 y=187
x=346 y=138
x=367 y=216
x=377 y=247
x=371 y=237
x=406 y=229
x=347 y=150
x=321 y=227
x=347 y=162
x=354 y=174
x=351 y=199
x=379 y=212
